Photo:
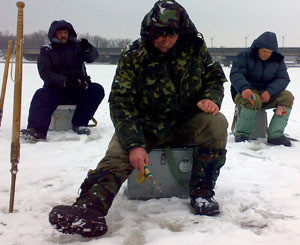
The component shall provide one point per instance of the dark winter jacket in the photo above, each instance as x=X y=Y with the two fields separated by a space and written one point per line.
x=250 y=72
x=58 y=62
x=152 y=90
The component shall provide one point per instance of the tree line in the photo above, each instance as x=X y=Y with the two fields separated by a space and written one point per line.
x=39 y=38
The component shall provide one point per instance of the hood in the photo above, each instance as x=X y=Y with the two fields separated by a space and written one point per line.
x=266 y=40
x=165 y=18
x=61 y=25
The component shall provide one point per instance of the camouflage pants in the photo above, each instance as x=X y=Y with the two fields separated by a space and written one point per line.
x=208 y=135
x=284 y=98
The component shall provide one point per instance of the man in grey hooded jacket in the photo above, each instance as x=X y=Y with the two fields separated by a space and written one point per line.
x=259 y=79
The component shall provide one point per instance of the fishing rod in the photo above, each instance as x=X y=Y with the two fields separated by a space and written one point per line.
x=147 y=174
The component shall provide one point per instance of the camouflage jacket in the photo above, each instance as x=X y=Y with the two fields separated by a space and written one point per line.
x=152 y=90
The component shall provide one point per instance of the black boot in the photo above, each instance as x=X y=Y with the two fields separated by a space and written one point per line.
x=78 y=220
x=281 y=140
x=205 y=206
x=206 y=169
x=32 y=134
x=81 y=130
x=86 y=216
x=241 y=138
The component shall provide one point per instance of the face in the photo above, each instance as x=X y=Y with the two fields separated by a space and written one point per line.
x=164 y=43
x=264 y=53
x=62 y=35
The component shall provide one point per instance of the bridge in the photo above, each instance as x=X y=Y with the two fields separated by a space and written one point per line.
x=226 y=55
x=223 y=55
x=106 y=55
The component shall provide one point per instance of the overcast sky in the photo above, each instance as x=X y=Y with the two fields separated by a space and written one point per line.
x=222 y=22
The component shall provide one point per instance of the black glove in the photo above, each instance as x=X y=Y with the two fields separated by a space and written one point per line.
x=84 y=85
x=85 y=45
x=76 y=82
x=71 y=83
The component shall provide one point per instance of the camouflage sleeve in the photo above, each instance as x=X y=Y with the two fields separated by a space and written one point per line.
x=123 y=110
x=213 y=78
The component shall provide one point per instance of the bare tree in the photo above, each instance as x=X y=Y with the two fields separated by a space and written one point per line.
x=35 y=40
x=5 y=36
x=39 y=38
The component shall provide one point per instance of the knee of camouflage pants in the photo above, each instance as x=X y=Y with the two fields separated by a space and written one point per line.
x=205 y=130
x=102 y=185
x=205 y=171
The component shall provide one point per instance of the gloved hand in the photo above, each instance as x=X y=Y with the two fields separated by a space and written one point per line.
x=85 y=45
x=76 y=83
x=70 y=83
x=84 y=84
x=73 y=81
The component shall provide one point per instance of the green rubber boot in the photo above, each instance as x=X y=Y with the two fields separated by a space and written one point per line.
x=245 y=124
x=276 y=129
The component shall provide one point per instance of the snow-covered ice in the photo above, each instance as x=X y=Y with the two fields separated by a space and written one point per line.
x=258 y=189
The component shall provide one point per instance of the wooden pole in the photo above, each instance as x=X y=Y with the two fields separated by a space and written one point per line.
x=5 y=75
x=15 y=143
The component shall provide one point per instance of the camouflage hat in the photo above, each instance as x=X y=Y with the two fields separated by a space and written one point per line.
x=167 y=17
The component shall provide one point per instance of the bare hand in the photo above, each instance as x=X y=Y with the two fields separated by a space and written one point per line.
x=265 y=97
x=248 y=94
x=138 y=157
x=208 y=106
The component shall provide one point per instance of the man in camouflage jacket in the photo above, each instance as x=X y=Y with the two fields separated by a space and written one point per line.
x=166 y=90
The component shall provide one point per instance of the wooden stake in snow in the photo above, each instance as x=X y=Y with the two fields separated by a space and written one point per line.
x=5 y=75
x=15 y=143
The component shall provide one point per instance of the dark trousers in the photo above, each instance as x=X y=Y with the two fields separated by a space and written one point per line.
x=46 y=100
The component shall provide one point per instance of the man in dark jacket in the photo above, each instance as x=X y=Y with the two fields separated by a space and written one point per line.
x=166 y=90
x=61 y=66
x=259 y=78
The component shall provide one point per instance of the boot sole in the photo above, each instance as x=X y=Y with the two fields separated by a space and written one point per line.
x=214 y=213
x=64 y=222
x=211 y=213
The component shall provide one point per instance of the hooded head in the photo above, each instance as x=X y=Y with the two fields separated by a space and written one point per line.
x=267 y=40
x=61 y=25
x=167 y=17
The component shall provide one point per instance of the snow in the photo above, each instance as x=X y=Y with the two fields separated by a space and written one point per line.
x=258 y=188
